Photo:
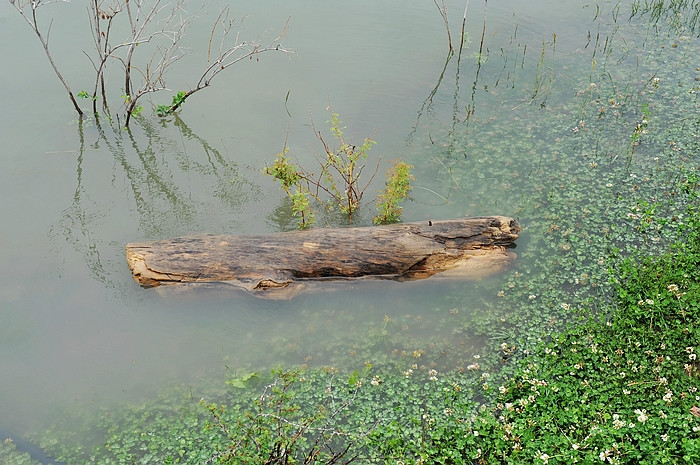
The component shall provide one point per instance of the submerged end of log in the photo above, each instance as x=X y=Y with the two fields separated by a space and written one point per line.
x=275 y=264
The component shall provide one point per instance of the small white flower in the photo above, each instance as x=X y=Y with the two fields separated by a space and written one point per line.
x=664 y=437
x=668 y=397
x=641 y=415
x=532 y=297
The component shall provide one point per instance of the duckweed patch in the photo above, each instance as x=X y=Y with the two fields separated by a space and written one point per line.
x=10 y=454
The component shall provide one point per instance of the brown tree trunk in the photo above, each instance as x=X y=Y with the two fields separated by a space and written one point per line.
x=268 y=264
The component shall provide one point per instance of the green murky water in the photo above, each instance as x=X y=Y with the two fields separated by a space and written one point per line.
x=516 y=130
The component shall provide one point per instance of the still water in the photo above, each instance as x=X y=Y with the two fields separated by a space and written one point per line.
x=75 y=329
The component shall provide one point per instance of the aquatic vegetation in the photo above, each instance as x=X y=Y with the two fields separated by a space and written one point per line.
x=9 y=454
x=339 y=179
x=586 y=350
x=398 y=185
x=620 y=388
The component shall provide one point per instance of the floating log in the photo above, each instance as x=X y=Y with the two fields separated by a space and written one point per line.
x=268 y=264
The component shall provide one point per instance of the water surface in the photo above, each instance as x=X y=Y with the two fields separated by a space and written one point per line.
x=74 y=327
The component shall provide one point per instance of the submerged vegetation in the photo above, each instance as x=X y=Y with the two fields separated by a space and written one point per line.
x=585 y=352
x=619 y=388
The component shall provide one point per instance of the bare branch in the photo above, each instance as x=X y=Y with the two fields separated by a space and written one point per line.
x=162 y=24
x=31 y=19
x=239 y=51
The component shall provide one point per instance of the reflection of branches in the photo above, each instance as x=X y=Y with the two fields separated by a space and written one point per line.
x=75 y=220
x=471 y=106
x=231 y=188
x=162 y=202
x=428 y=102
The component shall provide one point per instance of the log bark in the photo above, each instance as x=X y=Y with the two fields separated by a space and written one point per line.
x=275 y=265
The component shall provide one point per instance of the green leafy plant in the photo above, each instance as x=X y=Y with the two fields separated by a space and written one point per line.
x=621 y=390
x=341 y=168
x=398 y=185
x=85 y=95
x=291 y=181
x=278 y=427
x=338 y=179
x=178 y=100
x=639 y=130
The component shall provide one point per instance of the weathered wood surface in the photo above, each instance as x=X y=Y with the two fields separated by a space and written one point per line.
x=273 y=265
